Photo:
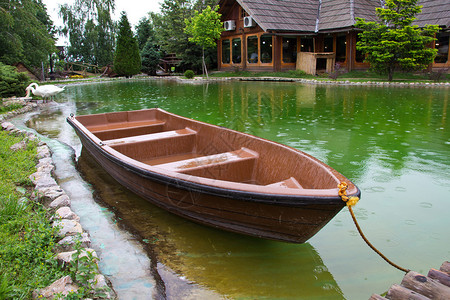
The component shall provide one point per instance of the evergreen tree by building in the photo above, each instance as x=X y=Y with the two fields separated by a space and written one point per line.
x=127 y=61
x=393 y=43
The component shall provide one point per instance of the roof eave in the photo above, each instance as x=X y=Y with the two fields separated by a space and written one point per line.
x=245 y=7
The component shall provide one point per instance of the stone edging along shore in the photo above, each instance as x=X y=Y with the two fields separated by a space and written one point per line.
x=316 y=82
x=55 y=199
x=70 y=232
x=200 y=80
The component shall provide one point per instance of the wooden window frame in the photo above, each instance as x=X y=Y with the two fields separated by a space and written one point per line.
x=259 y=63
x=284 y=64
x=230 y=38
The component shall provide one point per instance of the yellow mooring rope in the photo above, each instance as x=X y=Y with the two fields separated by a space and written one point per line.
x=350 y=201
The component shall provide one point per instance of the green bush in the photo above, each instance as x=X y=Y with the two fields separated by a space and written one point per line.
x=7 y=108
x=12 y=83
x=150 y=58
x=189 y=74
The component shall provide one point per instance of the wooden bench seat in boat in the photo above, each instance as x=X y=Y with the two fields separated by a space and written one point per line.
x=290 y=183
x=150 y=137
x=149 y=147
x=236 y=165
x=125 y=129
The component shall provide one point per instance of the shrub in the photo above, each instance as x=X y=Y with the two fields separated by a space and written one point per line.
x=337 y=72
x=12 y=83
x=438 y=75
x=10 y=107
x=189 y=74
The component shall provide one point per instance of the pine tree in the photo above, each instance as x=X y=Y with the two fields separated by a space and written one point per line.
x=394 y=44
x=127 y=61
x=150 y=58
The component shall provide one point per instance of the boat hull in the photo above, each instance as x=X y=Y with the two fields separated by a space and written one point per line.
x=278 y=217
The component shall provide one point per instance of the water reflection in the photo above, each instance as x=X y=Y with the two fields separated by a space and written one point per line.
x=230 y=264
x=393 y=142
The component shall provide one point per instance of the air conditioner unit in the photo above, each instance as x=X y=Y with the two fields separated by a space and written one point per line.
x=229 y=25
x=249 y=22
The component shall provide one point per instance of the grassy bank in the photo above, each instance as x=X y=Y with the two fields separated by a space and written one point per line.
x=26 y=236
x=356 y=76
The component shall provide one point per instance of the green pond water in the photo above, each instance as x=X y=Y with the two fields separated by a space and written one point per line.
x=393 y=142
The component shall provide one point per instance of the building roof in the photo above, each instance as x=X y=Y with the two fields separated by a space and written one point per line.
x=283 y=15
x=335 y=14
x=434 y=12
x=312 y=16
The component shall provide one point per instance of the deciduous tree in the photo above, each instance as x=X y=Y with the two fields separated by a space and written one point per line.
x=90 y=29
x=393 y=43
x=26 y=32
x=204 y=30
x=170 y=35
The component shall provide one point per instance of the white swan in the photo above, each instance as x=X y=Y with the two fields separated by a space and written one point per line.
x=44 y=91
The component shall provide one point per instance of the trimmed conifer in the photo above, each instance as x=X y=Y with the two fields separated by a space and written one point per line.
x=127 y=61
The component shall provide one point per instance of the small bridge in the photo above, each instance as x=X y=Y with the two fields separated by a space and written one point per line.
x=84 y=68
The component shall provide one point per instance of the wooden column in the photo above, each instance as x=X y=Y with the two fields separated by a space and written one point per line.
x=277 y=53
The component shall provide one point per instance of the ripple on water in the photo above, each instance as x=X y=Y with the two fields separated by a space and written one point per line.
x=400 y=189
x=410 y=222
x=426 y=205
x=320 y=269
x=375 y=189
x=362 y=214
x=328 y=286
x=353 y=233
x=338 y=223
x=382 y=177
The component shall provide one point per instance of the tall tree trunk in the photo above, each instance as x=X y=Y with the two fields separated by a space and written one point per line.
x=390 y=73
x=205 y=71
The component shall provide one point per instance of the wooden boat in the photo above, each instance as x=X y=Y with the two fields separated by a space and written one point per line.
x=214 y=175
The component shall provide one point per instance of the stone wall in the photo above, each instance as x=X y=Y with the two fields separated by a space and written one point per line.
x=73 y=241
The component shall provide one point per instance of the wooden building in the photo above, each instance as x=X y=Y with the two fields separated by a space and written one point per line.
x=275 y=35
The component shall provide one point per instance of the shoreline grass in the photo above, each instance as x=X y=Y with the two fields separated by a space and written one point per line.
x=355 y=76
x=352 y=76
x=26 y=235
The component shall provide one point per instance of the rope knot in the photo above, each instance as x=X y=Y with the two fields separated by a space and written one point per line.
x=350 y=201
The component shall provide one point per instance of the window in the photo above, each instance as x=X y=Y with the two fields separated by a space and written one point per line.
x=328 y=44
x=252 y=49
x=236 y=51
x=225 y=51
x=442 y=47
x=307 y=45
x=266 y=48
x=341 y=48
x=289 y=50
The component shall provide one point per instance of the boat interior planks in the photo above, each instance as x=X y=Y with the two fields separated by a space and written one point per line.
x=214 y=175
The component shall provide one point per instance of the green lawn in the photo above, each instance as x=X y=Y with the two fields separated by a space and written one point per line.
x=351 y=76
x=26 y=235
